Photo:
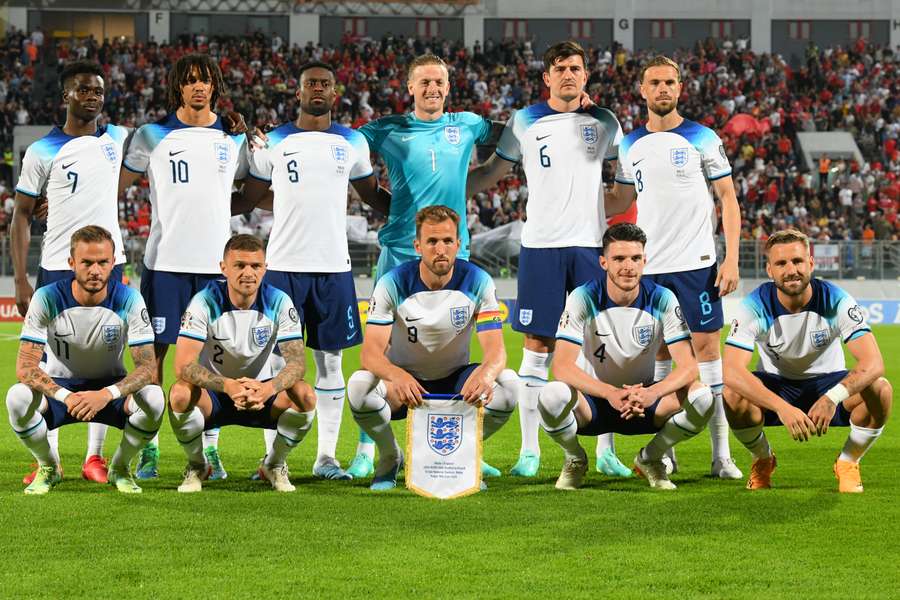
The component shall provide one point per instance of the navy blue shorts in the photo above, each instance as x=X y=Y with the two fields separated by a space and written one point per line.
x=606 y=419
x=451 y=384
x=225 y=413
x=58 y=415
x=327 y=306
x=697 y=296
x=45 y=277
x=167 y=296
x=803 y=394
x=546 y=276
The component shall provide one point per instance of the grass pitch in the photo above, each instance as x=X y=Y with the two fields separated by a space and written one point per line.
x=521 y=538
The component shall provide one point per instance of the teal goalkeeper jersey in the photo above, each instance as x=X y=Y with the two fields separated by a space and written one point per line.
x=427 y=162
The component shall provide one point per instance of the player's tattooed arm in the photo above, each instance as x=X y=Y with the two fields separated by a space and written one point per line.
x=372 y=194
x=869 y=364
x=198 y=375
x=294 y=354
x=29 y=372
x=144 y=372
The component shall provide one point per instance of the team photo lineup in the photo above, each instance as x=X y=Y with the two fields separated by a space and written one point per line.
x=619 y=300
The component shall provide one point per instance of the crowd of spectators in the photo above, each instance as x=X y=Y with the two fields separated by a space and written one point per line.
x=855 y=89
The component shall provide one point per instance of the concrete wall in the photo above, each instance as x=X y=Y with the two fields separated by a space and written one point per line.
x=823 y=33
x=332 y=28
x=685 y=33
x=546 y=32
x=227 y=24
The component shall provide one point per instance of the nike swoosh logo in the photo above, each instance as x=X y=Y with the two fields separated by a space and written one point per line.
x=406 y=138
x=768 y=345
x=219 y=339
x=634 y=164
x=541 y=137
x=64 y=334
x=290 y=153
x=176 y=153
x=706 y=321
x=69 y=165
x=416 y=319
x=532 y=385
x=350 y=337
x=601 y=334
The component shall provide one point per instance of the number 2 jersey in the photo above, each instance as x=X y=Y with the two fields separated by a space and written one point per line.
x=670 y=171
x=798 y=345
x=431 y=330
x=80 y=178
x=86 y=342
x=620 y=342
x=562 y=154
x=241 y=342
x=191 y=172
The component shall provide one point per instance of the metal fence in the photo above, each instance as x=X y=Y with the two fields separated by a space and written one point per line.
x=835 y=260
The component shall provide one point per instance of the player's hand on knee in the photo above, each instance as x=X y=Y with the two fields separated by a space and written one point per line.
x=478 y=388
x=821 y=414
x=798 y=424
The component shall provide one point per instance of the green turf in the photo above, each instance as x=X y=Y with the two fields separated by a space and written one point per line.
x=615 y=538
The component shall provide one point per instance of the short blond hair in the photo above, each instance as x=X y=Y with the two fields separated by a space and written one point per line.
x=787 y=236
x=423 y=60
x=661 y=61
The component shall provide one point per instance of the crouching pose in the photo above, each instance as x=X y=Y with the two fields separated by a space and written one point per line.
x=421 y=318
x=613 y=327
x=227 y=370
x=83 y=323
x=801 y=381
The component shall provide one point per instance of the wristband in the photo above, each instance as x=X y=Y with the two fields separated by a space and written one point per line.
x=114 y=391
x=838 y=394
x=61 y=394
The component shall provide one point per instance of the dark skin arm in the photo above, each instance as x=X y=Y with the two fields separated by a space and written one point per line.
x=372 y=194
x=20 y=234
x=254 y=193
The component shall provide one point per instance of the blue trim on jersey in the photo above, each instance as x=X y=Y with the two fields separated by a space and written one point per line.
x=738 y=345
x=28 y=338
x=624 y=181
x=652 y=298
x=132 y=169
x=369 y=174
x=31 y=194
x=504 y=157
x=257 y=177
x=717 y=177
x=296 y=336
x=404 y=281
x=569 y=339
x=140 y=343
x=629 y=140
x=155 y=132
x=763 y=302
x=533 y=113
x=268 y=302
x=677 y=339
x=374 y=322
x=857 y=334
x=192 y=336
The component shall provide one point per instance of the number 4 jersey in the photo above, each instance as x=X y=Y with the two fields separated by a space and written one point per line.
x=620 y=342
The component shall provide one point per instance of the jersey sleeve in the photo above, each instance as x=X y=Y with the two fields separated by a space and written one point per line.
x=744 y=328
x=34 y=175
x=574 y=316
x=140 y=331
x=675 y=329
x=261 y=165
x=289 y=325
x=362 y=166
x=195 y=320
x=480 y=128
x=508 y=148
x=613 y=128
x=382 y=306
x=34 y=327
x=851 y=322
x=137 y=157
x=487 y=313
x=713 y=158
x=623 y=167
x=374 y=132
x=243 y=157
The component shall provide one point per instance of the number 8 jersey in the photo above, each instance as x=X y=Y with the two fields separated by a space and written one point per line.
x=620 y=342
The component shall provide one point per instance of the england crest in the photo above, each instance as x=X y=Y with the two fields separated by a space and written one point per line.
x=159 y=325
x=643 y=335
x=819 y=338
x=459 y=316
x=109 y=151
x=451 y=133
x=525 y=315
x=678 y=157
x=223 y=152
x=444 y=433
x=589 y=134
x=111 y=333
x=340 y=154
x=261 y=335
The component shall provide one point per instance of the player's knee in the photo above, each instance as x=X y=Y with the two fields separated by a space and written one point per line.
x=180 y=396
x=328 y=369
x=152 y=401
x=359 y=387
x=700 y=405
x=555 y=402
x=19 y=399
x=505 y=391
x=302 y=396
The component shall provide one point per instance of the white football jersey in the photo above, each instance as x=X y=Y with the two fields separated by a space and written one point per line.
x=80 y=178
x=562 y=154
x=431 y=331
x=240 y=342
x=191 y=172
x=309 y=172
x=798 y=345
x=86 y=342
x=620 y=342
x=671 y=171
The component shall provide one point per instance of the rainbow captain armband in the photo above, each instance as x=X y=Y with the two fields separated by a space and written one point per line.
x=487 y=320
